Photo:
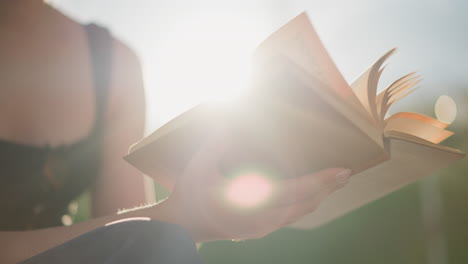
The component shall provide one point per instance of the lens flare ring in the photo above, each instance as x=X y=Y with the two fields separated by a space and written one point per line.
x=249 y=190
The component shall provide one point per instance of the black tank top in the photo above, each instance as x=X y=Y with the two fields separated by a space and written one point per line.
x=38 y=183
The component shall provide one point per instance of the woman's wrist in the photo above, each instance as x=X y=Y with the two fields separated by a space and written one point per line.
x=163 y=212
x=159 y=212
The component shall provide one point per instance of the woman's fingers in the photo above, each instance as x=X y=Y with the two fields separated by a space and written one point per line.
x=294 y=190
x=304 y=207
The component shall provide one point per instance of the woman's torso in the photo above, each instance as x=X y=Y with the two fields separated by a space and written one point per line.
x=45 y=66
x=51 y=106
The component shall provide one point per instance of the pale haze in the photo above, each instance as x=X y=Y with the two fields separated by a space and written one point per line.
x=194 y=51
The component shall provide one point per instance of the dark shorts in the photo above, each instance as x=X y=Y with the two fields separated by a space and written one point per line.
x=135 y=242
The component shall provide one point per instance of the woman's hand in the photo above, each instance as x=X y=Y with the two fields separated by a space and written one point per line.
x=203 y=202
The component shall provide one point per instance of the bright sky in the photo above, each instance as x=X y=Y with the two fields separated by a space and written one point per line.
x=197 y=50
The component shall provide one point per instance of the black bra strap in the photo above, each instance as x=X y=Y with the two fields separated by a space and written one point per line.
x=100 y=46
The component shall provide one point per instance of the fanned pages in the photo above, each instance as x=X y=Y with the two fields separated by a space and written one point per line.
x=384 y=96
x=365 y=87
x=301 y=116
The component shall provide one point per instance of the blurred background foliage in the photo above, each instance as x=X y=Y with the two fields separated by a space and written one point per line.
x=183 y=43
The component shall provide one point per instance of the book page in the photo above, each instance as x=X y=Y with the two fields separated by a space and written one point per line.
x=178 y=122
x=394 y=95
x=420 y=117
x=308 y=120
x=402 y=84
x=410 y=161
x=410 y=138
x=298 y=41
x=419 y=126
x=365 y=87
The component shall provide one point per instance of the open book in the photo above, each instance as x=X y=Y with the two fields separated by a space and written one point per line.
x=301 y=116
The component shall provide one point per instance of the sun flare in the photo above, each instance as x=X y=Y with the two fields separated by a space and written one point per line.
x=249 y=190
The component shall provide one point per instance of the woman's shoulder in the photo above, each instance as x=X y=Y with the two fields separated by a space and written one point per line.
x=127 y=89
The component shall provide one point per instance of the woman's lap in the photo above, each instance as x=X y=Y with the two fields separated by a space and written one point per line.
x=138 y=242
